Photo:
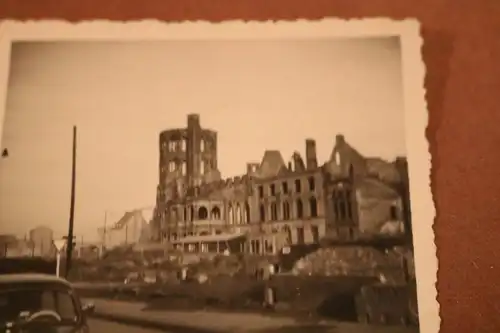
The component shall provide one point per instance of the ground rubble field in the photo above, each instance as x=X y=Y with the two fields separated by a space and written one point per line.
x=300 y=296
x=322 y=283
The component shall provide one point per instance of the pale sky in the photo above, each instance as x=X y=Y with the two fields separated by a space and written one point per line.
x=257 y=95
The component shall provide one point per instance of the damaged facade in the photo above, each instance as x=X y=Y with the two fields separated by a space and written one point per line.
x=274 y=203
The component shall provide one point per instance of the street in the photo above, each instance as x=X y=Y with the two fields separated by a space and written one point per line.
x=101 y=326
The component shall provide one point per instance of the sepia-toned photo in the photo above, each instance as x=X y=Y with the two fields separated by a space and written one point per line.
x=232 y=177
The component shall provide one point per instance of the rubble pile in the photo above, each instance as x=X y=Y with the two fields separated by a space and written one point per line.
x=231 y=266
x=218 y=266
x=349 y=261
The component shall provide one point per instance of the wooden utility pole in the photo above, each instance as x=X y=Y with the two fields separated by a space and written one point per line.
x=104 y=232
x=69 y=245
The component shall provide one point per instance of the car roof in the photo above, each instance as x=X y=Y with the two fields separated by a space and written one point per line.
x=31 y=278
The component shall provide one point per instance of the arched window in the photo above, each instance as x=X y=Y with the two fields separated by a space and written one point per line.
x=202 y=213
x=274 y=211
x=230 y=214
x=215 y=213
x=313 y=207
x=238 y=214
x=246 y=213
x=185 y=217
x=191 y=213
x=286 y=211
x=262 y=211
x=300 y=209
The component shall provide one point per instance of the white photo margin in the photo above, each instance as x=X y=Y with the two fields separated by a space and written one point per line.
x=416 y=113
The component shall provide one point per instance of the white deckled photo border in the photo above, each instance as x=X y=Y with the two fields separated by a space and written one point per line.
x=416 y=114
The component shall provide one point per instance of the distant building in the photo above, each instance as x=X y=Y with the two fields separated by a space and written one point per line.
x=12 y=247
x=275 y=203
x=7 y=242
x=128 y=230
x=42 y=239
x=87 y=250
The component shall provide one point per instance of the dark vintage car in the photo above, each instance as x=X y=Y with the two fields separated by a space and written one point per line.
x=40 y=303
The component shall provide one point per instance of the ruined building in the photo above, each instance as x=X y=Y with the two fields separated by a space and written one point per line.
x=275 y=202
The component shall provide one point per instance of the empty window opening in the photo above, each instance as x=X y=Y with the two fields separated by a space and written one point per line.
x=284 y=186
x=238 y=214
x=171 y=145
x=286 y=211
x=298 y=188
x=288 y=233
x=230 y=214
x=262 y=212
x=171 y=166
x=202 y=213
x=300 y=209
x=313 y=207
x=315 y=233
x=274 y=212
x=300 y=235
x=246 y=213
x=312 y=185
x=215 y=213
x=261 y=191
x=272 y=189
x=393 y=212
x=183 y=168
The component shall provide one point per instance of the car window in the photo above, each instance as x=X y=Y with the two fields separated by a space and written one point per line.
x=13 y=302
x=66 y=306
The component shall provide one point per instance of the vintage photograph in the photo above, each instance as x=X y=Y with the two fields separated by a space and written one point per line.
x=215 y=178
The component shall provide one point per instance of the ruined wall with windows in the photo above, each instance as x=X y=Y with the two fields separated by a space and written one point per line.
x=288 y=197
x=271 y=198
x=211 y=208
x=291 y=203
x=299 y=201
x=379 y=208
x=364 y=196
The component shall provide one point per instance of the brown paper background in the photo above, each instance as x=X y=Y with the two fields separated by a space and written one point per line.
x=462 y=54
